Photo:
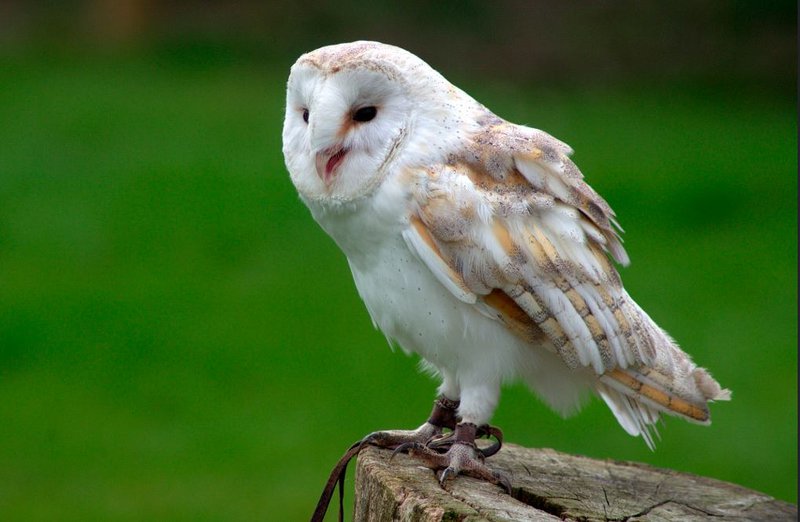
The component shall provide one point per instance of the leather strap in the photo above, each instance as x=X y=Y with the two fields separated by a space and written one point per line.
x=336 y=477
x=443 y=415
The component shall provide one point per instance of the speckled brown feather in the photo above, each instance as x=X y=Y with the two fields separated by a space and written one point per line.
x=486 y=213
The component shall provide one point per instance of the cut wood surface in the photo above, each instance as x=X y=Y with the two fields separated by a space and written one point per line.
x=552 y=486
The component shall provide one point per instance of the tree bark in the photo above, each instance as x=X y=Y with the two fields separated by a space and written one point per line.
x=552 y=486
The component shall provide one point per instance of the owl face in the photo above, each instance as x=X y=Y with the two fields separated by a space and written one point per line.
x=357 y=111
x=347 y=115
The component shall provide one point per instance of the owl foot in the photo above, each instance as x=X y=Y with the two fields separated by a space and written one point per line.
x=461 y=457
x=442 y=416
x=454 y=452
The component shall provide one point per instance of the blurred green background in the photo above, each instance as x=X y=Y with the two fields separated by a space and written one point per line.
x=180 y=341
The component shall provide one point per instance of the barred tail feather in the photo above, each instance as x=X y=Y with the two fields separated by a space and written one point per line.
x=638 y=396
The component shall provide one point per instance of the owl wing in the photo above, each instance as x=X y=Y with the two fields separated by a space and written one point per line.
x=510 y=227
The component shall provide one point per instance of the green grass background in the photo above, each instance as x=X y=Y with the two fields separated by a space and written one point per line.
x=180 y=341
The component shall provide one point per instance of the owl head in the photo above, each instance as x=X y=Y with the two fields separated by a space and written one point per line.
x=358 y=110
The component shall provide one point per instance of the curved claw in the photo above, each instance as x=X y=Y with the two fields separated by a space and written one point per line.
x=503 y=481
x=447 y=473
x=441 y=443
x=405 y=447
x=491 y=431
x=384 y=439
x=373 y=439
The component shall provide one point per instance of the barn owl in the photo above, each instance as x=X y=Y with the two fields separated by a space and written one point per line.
x=477 y=244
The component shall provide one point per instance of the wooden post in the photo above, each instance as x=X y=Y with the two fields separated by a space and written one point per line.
x=552 y=486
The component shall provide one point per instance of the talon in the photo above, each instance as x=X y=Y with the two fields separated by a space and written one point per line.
x=440 y=442
x=368 y=440
x=491 y=431
x=403 y=448
x=381 y=439
x=447 y=473
x=503 y=481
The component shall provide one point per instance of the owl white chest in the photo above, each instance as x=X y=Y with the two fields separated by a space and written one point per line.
x=404 y=298
x=409 y=305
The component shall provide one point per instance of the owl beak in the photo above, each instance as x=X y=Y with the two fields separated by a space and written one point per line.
x=327 y=161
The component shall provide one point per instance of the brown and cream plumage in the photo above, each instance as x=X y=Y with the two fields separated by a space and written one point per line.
x=513 y=229
x=477 y=244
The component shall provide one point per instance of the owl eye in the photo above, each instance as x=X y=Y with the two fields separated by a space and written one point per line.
x=305 y=115
x=365 y=113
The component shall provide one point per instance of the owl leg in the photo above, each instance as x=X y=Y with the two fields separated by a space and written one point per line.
x=443 y=415
x=463 y=456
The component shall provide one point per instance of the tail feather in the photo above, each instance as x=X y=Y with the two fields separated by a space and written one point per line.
x=636 y=418
x=637 y=396
x=653 y=389
x=666 y=381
